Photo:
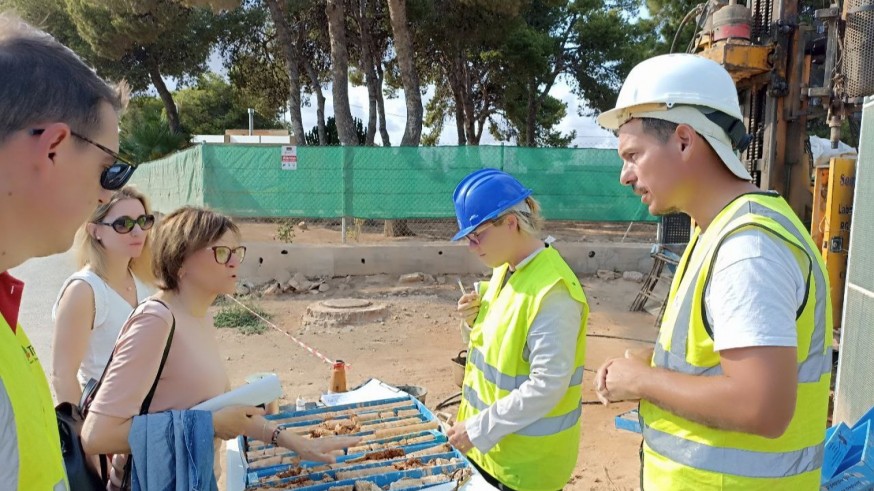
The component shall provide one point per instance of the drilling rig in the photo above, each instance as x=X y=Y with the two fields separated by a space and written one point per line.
x=793 y=65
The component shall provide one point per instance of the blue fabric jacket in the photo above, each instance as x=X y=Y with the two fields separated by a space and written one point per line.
x=173 y=450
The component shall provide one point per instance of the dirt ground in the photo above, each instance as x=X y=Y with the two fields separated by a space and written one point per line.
x=414 y=345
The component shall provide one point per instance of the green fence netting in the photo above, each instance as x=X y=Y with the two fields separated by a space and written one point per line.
x=383 y=183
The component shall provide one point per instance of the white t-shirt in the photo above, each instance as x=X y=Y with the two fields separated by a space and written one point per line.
x=754 y=293
x=111 y=311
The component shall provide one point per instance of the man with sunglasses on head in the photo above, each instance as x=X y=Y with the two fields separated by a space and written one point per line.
x=734 y=395
x=58 y=161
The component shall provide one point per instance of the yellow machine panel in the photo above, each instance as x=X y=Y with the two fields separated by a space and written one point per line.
x=741 y=60
x=832 y=211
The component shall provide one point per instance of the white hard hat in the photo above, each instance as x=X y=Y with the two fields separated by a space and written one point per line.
x=675 y=79
x=656 y=86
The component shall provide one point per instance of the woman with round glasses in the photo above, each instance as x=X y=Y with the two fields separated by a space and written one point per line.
x=519 y=420
x=196 y=257
x=96 y=300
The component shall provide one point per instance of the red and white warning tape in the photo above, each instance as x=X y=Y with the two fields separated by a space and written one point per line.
x=303 y=345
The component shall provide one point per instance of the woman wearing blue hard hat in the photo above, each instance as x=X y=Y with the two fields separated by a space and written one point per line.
x=519 y=420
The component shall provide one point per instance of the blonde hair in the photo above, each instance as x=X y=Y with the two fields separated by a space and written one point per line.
x=528 y=216
x=179 y=235
x=90 y=252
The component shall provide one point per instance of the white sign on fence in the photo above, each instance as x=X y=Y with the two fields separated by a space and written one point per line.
x=289 y=157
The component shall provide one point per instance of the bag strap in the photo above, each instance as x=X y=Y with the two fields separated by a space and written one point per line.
x=91 y=388
x=144 y=408
x=104 y=468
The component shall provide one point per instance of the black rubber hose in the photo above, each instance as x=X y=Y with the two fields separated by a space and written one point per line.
x=449 y=402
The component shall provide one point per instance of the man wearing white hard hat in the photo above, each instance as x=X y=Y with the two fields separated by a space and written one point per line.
x=734 y=396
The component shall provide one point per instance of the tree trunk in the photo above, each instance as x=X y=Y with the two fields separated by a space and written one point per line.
x=397 y=228
x=397 y=10
x=371 y=115
x=409 y=75
x=366 y=63
x=457 y=95
x=380 y=107
x=292 y=68
x=481 y=121
x=463 y=69
x=531 y=121
x=166 y=97
x=320 y=100
x=459 y=117
x=335 y=10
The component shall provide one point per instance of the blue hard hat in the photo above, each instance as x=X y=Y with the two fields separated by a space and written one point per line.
x=482 y=196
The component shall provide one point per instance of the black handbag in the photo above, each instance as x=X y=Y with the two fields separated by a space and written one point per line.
x=81 y=475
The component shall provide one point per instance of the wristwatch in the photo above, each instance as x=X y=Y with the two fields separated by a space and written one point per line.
x=275 y=437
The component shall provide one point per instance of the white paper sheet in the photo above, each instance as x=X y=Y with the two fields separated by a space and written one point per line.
x=253 y=394
x=373 y=390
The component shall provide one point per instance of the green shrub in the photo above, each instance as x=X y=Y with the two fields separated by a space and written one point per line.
x=232 y=315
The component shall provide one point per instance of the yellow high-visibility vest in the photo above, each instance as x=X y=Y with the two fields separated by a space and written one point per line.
x=542 y=456
x=683 y=455
x=39 y=459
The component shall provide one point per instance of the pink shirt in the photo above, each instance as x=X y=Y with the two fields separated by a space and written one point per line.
x=193 y=373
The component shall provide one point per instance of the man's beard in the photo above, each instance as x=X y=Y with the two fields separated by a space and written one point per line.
x=669 y=211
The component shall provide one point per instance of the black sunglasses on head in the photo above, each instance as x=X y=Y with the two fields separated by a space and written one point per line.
x=113 y=177
x=125 y=224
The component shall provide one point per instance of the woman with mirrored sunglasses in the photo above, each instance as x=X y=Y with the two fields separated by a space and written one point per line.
x=95 y=301
x=196 y=257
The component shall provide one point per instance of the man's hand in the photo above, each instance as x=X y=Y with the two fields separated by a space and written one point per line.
x=458 y=437
x=619 y=379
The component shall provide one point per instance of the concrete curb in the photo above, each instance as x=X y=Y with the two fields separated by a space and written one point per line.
x=267 y=261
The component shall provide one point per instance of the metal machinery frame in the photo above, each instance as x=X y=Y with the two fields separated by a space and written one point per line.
x=787 y=73
x=764 y=48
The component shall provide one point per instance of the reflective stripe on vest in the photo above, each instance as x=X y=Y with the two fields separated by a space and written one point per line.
x=509 y=382
x=732 y=461
x=818 y=363
x=542 y=427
